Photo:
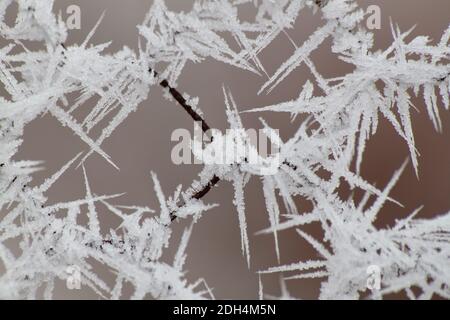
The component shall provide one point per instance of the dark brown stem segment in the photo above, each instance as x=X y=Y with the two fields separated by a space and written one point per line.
x=194 y=115
x=199 y=194
x=321 y=3
x=205 y=128
x=182 y=102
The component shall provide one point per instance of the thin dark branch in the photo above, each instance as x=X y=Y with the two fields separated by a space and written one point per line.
x=199 y=194
x=196 y=117
x=182 y=102
x=215 y=179
x=205 y=128
x=321 y=3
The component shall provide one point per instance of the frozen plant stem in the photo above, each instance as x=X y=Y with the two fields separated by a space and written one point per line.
x=182 y=102
x=205 y=128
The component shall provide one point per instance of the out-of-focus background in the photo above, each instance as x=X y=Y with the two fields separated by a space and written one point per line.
x=143 y=144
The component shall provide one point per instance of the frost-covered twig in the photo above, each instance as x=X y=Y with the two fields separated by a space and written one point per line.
x=313 y=164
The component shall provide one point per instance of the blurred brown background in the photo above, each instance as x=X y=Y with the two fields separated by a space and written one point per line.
x=143 y=143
